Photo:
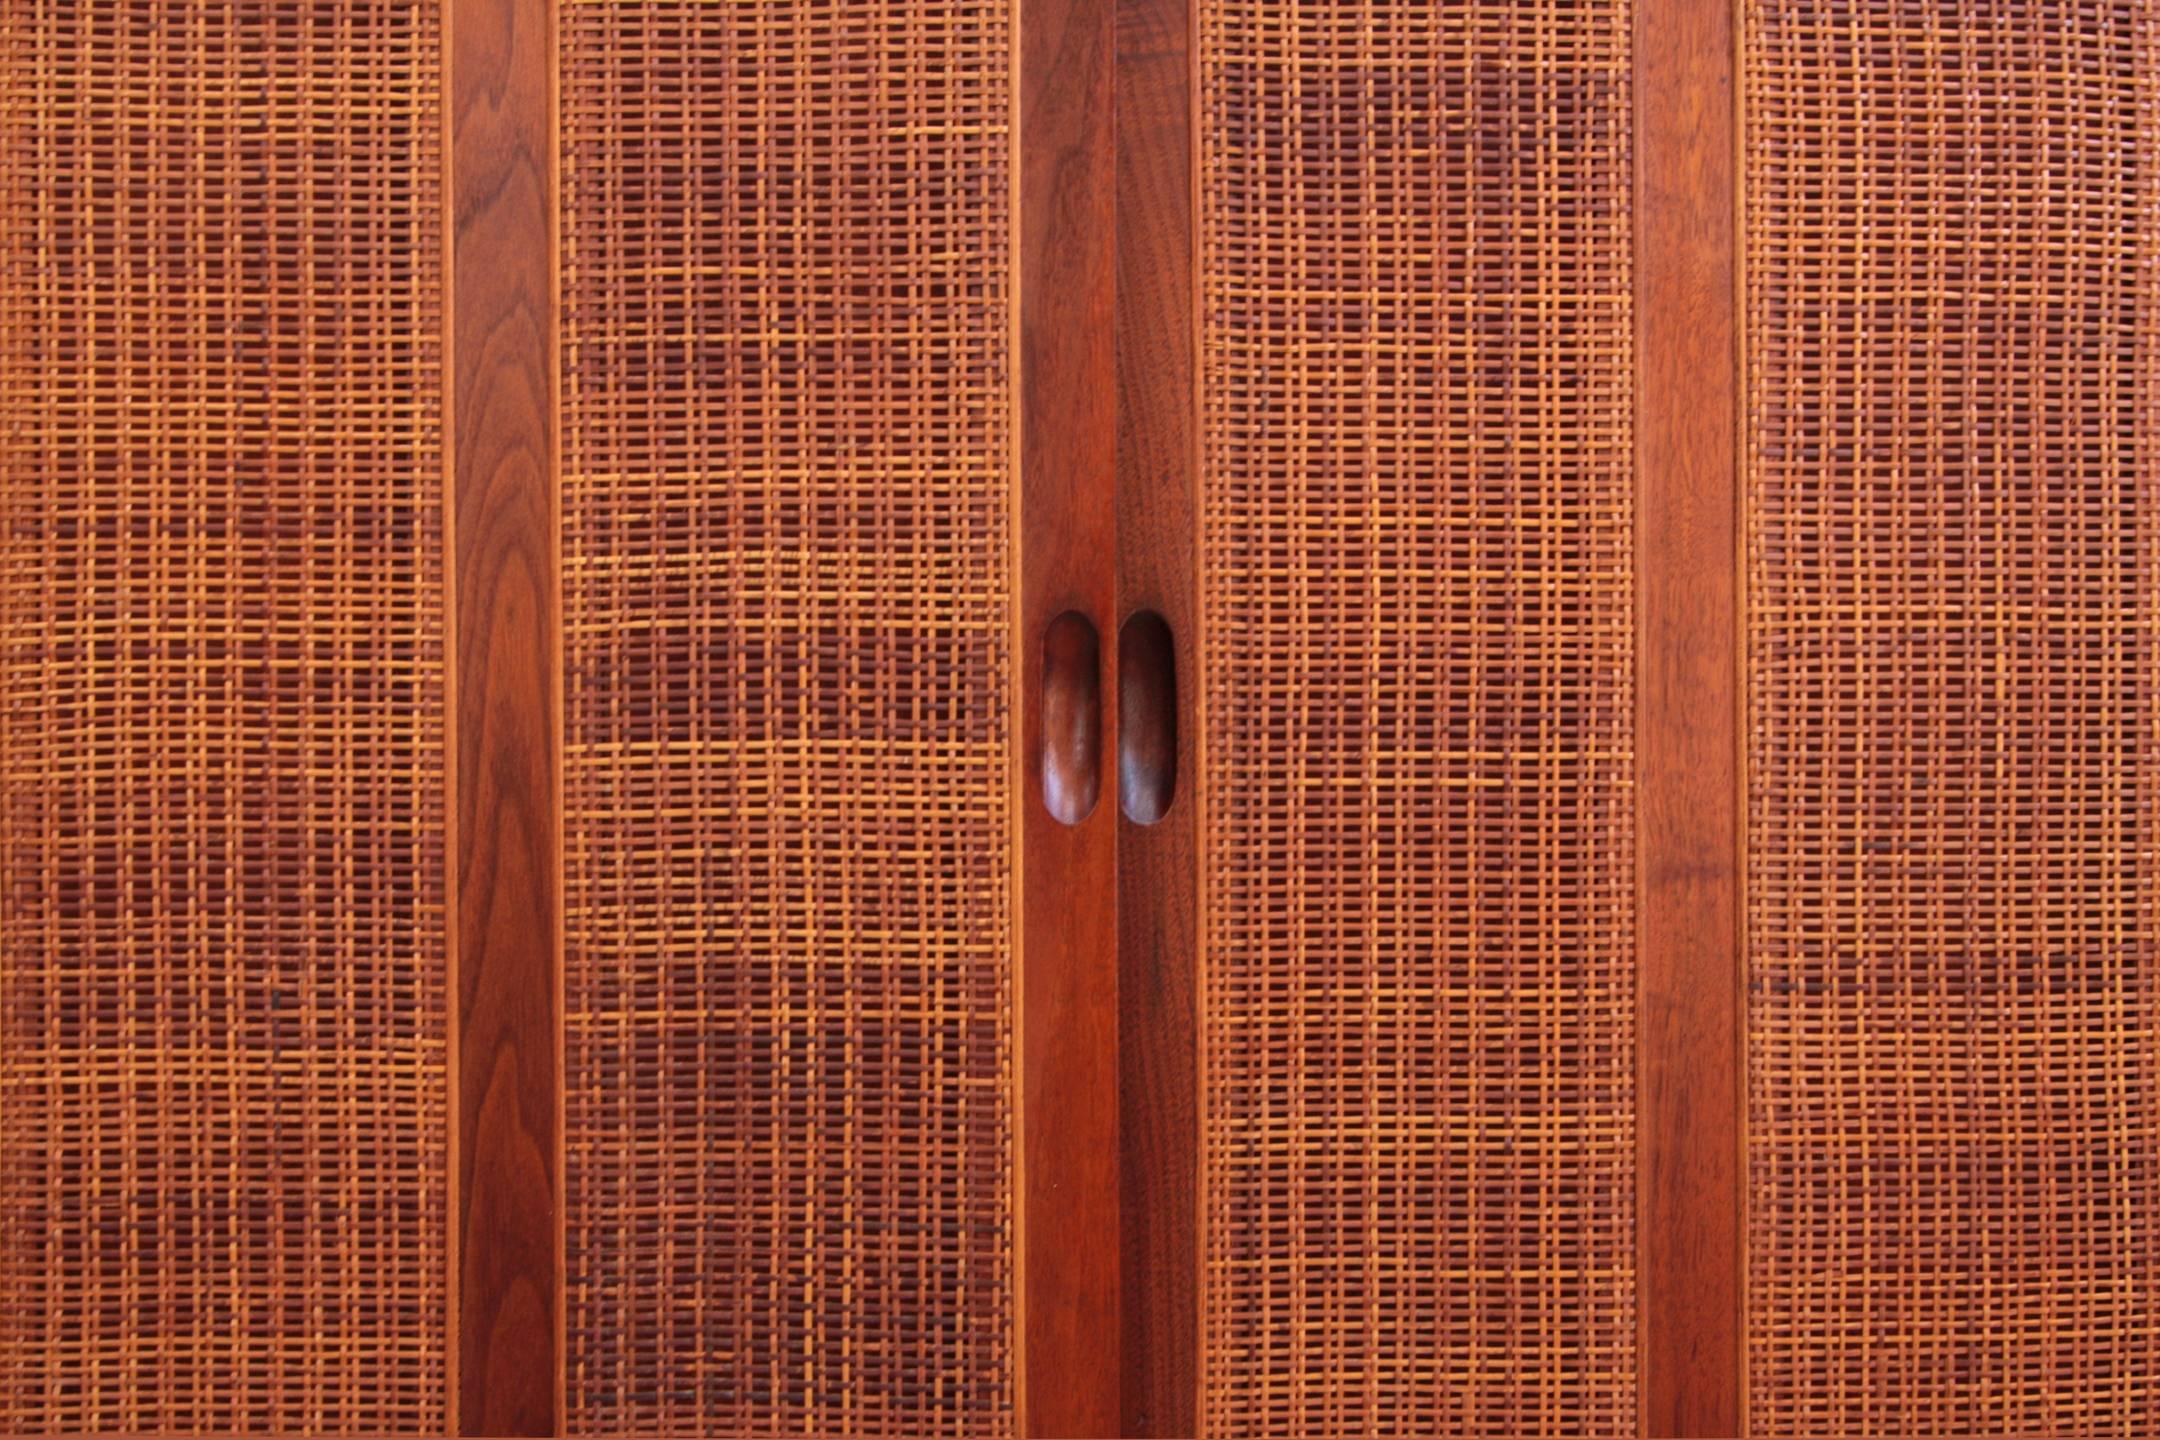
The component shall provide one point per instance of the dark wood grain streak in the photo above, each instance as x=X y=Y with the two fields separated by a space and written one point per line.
x=1691 y=1057
x=1158 y=864
x=508 y=708
x=1068 y=544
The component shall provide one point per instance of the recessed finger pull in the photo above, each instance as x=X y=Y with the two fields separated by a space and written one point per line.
x=1071 y=717
x=1147 y=718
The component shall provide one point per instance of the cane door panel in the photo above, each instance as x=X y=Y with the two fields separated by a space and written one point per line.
x=224 y=1013
x=787 y=594
x=1416 y=536
x=1953 y=543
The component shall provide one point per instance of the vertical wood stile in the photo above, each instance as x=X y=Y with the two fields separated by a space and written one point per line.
x=1068 y=552
x=1158 y=863
x=1690 y=1058
x=507 y=723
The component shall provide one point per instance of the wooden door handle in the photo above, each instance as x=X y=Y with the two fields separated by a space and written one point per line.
x=1071 y=717
x=1147 y=717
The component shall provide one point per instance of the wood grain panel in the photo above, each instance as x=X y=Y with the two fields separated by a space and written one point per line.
x=1158 y=864
x=507 y=716
x=1068 y=550
x=1687 y=745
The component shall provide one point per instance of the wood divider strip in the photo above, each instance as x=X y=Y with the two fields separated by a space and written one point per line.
x=508 y=689
x=1068 y=551
x=1691 y=1056
x=1159 y=864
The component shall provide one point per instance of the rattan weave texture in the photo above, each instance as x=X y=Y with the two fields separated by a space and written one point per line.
x=223 y=1084
x=1418 y=1149
x=787 y=555
x=1954 y=567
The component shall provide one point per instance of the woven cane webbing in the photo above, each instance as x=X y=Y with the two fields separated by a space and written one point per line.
x=1419 y=1017
x=787 y=602
x=223 y=1082
x=1954 y=568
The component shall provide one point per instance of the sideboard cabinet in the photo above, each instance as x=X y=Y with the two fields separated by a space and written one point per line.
x=1080 y=717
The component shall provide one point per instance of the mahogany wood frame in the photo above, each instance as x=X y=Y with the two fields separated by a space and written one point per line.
x=1068 y=981
x=1159 y=864
x=1690 y=1046
x=507 y=718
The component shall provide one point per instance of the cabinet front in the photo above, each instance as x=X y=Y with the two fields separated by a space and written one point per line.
x=1080 y=717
